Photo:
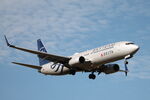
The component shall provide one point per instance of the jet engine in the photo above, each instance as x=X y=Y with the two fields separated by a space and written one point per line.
x=110 y=68
x=76 y=61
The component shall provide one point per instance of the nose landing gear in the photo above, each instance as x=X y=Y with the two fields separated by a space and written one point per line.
x=126 y=68
x=126 y=63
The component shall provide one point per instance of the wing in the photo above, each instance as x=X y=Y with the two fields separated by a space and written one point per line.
x=51 y=57
x=27 y=65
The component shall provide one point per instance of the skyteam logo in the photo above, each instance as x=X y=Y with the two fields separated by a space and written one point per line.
x=57 y=67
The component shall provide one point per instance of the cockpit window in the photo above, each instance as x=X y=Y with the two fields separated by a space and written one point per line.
x=129 y=43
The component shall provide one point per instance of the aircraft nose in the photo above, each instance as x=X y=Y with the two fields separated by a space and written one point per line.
x=135 y=48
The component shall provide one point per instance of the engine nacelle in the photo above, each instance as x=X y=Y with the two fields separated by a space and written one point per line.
x=110 y=68
x=77 y=60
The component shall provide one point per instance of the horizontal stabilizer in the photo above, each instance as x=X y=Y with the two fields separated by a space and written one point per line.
x=27 y=65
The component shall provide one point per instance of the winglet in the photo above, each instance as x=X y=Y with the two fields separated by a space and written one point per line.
x=7 y=41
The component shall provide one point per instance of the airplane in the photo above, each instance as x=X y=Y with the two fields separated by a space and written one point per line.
x=94 y=61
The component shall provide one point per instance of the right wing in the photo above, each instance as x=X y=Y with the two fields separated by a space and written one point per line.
x=50 y=57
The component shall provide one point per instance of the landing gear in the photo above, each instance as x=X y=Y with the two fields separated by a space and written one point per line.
x=126 y=62
x=92 y=76
x=126 y=68
x=72 y=72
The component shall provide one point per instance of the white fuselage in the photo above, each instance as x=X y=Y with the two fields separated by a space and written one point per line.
x=94 y=58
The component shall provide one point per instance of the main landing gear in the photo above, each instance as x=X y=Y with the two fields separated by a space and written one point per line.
x=72 y=72
x=92 y=76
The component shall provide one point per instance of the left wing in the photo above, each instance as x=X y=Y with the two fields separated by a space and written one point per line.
x=51 y=57
x=27 y=65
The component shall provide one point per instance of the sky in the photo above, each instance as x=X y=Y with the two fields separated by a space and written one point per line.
x=67 y=27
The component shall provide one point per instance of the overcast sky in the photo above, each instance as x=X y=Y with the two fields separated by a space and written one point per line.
x=67 y=27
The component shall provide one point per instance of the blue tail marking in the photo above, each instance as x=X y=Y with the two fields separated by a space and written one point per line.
x=41 y=48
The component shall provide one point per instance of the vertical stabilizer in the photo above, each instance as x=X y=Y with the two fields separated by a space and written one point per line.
x=41 y=48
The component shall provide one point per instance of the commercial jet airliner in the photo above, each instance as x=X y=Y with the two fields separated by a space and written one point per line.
x=94 y=61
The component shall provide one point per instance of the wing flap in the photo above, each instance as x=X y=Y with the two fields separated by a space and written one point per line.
x=28 y=65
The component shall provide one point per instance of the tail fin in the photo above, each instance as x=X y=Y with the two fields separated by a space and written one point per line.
x=41 y=48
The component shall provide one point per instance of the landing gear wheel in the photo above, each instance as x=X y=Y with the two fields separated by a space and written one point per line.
x=126 y=62
x=72 y=72
x=92 y=76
